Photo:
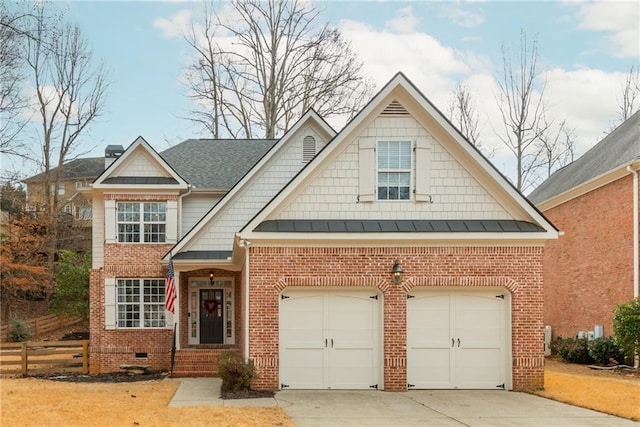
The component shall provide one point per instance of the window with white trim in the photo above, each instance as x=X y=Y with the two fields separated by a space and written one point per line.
x=142 y=222
x=394 y=170
x=140 y=303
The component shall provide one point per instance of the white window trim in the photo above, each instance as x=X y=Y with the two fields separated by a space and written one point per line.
x=141 y=303
x=142 y=222
x=411 y=169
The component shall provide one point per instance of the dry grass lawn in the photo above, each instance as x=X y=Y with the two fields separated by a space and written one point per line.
x=38 y=402
x=610 y=392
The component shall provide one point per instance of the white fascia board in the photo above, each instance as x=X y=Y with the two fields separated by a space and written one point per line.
x=587 y=186
x=398 y=239
x=140 y=188
x=140 y=141
x=310 y=118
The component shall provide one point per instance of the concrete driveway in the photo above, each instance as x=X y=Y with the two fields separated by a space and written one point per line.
x=435 y=408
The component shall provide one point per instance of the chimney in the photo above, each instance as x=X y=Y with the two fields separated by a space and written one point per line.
x=111 y=153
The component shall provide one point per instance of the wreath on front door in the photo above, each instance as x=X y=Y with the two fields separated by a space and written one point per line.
x=211 y=306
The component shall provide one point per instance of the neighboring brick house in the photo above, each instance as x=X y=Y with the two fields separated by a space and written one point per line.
x=75 y=209
x=593 y=267
x=390 y=255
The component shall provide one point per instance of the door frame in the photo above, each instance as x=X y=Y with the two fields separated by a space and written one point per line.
x=227 y=284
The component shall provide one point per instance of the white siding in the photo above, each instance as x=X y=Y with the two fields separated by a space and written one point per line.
x=194 y=207
x=141 y=164
x=262 y=187
x=455 y=193
x=97 y=232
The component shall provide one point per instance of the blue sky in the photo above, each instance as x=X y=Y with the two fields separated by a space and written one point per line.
x=585 y=50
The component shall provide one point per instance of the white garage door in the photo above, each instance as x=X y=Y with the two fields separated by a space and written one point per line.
x=456 y=339
x=329 y=339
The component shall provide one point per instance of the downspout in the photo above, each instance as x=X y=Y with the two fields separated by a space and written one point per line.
x=247 y=246
x=636 y=258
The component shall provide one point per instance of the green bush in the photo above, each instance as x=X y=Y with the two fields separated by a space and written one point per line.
x=237 y=375
x=626 y=327
x=605 y=351
x=71 y=294
x=20 y=331
x=574 y=350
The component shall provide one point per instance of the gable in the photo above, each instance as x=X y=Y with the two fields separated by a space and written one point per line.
x=139 y=167
x=453 y=192
x=445 y=178
x=217 y=229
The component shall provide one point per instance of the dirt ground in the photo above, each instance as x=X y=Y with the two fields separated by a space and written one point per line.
x=43 y=402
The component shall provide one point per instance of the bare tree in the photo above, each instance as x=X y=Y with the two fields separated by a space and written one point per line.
x=70 y=92
x=12 y=102
x=276 y=63
x=556 y=147
x=629 y=100
x=520 y=100
x=463 y=114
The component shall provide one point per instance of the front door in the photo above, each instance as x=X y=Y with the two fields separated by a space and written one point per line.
x=211 y=324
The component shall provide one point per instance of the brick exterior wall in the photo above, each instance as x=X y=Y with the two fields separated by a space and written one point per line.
x=111 y=348
x=589 y=270
x=517 y=269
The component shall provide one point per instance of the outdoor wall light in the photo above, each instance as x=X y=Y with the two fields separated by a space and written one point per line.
x=211 y=277
x=397 y=272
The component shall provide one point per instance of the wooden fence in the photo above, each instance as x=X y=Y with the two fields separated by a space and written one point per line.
x=42 y=357
x=42 y=325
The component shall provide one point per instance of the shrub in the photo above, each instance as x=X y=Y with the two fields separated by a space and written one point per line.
x=20 y=331
x=605 y=350
x=237 y=375
x=574 y=350
x=626 y=327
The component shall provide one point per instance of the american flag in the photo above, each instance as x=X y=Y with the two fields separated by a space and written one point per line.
x=170 y=289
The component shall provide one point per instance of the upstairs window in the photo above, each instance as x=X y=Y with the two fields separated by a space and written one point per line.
x=142 y=222
x=394 y=170
x=308 y=148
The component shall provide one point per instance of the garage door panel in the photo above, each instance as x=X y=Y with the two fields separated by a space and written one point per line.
x=455 y=340
x=429 y=368
x=344 y=331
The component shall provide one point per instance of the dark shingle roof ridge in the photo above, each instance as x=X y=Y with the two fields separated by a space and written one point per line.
x=619 y=147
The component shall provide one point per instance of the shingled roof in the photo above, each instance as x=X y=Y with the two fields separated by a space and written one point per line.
x=216 y=163
x=76 y=169
x=620 y=147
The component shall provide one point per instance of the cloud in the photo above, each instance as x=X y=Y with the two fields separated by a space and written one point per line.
x=460 y=16
x=175 y=26
x=404 y=22
x=618 y=20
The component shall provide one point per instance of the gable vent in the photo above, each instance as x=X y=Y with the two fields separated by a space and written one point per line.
x=308 y=148
x=395 y=109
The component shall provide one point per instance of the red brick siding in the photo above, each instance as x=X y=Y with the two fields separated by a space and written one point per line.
x=111 y=348
x=517 y=269
x=589 y=270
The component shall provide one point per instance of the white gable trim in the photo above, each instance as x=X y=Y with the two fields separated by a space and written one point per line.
x=139 y=142
x=413 y=100
x=310 y=118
